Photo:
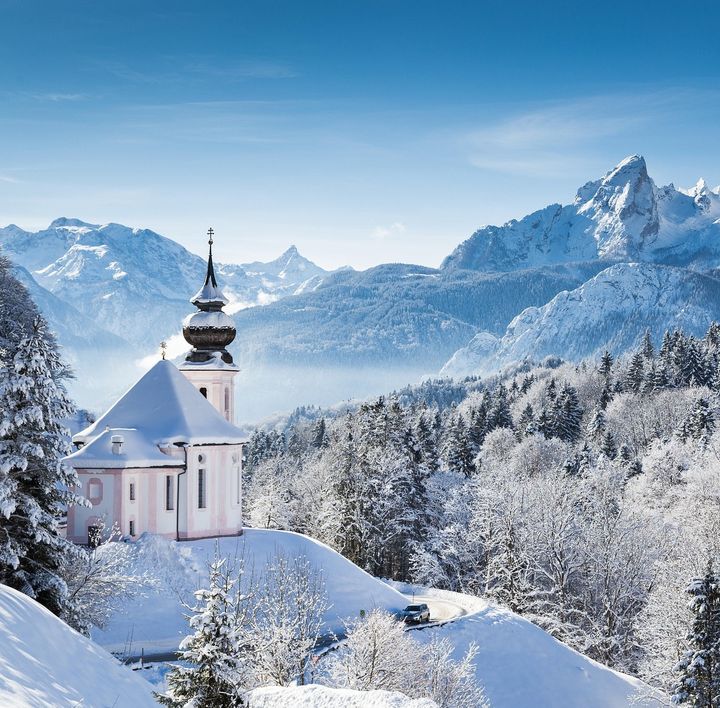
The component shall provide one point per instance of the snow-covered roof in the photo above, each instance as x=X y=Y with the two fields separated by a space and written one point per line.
x=163 y=406
x=214 y=363
x=135 y=451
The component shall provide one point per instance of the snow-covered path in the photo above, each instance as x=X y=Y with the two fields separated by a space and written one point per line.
x=441 y=609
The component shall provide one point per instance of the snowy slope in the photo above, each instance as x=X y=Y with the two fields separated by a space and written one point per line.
x=45 y=663
x=156 y=622
x=623 y=216
x=611 y=311
x=521 y=666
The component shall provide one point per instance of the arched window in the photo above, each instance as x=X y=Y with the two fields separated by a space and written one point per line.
x=95 y=491
x=227 y=402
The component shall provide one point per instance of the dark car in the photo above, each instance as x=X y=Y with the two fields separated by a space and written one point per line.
x=416 y=613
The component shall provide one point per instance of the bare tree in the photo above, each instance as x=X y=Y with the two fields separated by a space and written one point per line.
x=287 y=620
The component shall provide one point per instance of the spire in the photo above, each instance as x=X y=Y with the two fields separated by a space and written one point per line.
x=209 y=297
x=210 y=277
x=210 y=330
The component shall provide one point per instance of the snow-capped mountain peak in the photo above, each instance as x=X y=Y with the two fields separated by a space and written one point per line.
x=622 y=216
x=623 y=210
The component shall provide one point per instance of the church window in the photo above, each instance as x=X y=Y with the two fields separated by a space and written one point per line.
x=95 y=491
x=203 y=390
x=202 y=492
x=227 y=401
x=132 y=527
x=169 y=493
x=132 y=491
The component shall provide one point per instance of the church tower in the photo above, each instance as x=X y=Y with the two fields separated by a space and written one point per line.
x=209 y=366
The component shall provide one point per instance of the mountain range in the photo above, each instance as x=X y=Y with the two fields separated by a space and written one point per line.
x=569 y=281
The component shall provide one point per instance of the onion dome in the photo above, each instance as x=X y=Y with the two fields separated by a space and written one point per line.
x=209 y=331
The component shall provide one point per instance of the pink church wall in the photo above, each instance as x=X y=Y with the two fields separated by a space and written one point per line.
x=221 y=517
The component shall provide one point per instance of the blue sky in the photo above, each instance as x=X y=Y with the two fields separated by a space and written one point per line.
x=363 y=132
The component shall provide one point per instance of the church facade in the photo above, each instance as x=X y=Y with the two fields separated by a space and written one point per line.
x=166 y=458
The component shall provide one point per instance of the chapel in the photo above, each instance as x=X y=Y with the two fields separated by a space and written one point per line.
x=166 y=458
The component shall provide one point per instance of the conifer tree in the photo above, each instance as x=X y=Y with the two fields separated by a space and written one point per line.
x=216 y=673
x=646 y=348
x=609 y=446
x=319 y=434
x=460 y=457
x=568 y=415
x=606 y=364
x=598 y=424
x=635 y=374
x=699 y=668
x=37 y=484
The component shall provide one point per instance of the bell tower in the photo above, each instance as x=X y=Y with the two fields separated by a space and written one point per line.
x=209 y=365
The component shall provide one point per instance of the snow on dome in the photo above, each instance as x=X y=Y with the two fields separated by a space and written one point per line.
x=215 y=319
x=207 y=294
x=132 y=449
x=163 y=406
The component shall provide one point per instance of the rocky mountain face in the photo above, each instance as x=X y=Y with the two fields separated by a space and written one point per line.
x=660 y=248
x=622 y=217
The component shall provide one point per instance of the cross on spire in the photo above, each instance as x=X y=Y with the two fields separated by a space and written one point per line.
x=211 y=233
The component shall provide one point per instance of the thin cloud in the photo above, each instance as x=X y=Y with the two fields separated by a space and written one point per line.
x=60 y=97
x=381 y=233
x=176 y=70
x=557 y=137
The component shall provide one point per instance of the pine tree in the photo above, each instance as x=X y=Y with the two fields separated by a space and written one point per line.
x=700 y=423
x=567 y=415
x=646 y=348
x=214 y=652
x=598 y=424
x=460 y=457
x=499 y=415
x=635 y=374
x=37 y=484
x=699 y=668
x=526 y=422
x=319 y=434
x=609 y=446
x=606 y=364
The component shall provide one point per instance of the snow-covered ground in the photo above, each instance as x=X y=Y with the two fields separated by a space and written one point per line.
x=323 y=697
x=45 y=663
x=156 y=622
x=521 y=666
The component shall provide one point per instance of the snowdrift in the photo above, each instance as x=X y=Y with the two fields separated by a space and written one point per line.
x=156 y=622
x=323 y=697
x=45 y=663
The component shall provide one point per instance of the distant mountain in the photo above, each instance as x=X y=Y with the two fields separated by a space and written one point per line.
x=610 y=311
x=621 y=217
x=132 y=282
x=112 y=293
x=566 y=280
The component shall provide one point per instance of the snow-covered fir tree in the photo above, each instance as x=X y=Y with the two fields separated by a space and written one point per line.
x=218 y=661
x=699 y=668
x=35 y=484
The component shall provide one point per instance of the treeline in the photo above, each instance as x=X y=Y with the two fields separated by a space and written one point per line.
x=584 y=497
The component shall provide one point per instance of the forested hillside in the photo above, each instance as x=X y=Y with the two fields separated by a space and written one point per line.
x=586 y=497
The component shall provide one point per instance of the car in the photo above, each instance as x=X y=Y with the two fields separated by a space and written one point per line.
x=414 y=614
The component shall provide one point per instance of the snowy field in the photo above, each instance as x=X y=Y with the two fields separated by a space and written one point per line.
x=156 y=622
x=45 y=663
